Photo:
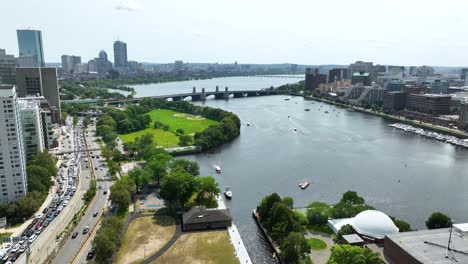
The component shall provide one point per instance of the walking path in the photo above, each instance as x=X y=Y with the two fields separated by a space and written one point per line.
x=177 y=234
x=236 y=240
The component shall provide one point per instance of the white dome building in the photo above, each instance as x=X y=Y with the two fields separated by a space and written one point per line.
x=373 y=223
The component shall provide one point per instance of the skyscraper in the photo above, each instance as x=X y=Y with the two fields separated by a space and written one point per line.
x=31 y=121
x=31 y=53
x=120 y=54
x=69 y=62
x=13 y=162
x=40 y=81
x=7 y=68
x=103 y=65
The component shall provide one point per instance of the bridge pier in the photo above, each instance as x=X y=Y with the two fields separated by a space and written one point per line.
x=217 y=88
x=238 y=95
x=226 y=93
x=203 y=95
x=194 y=90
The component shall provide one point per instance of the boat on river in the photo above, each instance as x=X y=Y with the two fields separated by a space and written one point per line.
x=218 y=169
x=228 y=192
x=304 y=185
x=307 y=109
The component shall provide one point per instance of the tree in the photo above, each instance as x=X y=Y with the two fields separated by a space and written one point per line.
x=38 y=179
x=141 y=177
x=438 y=220
x=120 y=196
x=107 y=238
x=344 y=230
x=318 y=213
x=294 y=248
x=185 y=140
x=281 y=221
x=207 y=187
x=180 y=131
x=352 y=197
x=157 y=169
x=402 y=225
x=345 y=254
x=266 y=204
x=185 y=165
x=288 y=201
x=177 y=188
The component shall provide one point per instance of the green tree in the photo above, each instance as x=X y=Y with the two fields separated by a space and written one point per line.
x=318 y=213
x=402 y=225
x=344 y=230
x=177 y=188
x=438 y=220
x=141 y=177
x=207 y=187
x=38 y=179
x=185 y=140
x=288 y=201
x=294 y=248
x=185 y=165
x=281 y=221
x=107 y=238
x=346 y=254
x=266 y=204
x=351 y=197
x=180 y=131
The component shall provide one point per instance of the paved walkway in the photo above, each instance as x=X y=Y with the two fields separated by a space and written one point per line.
x=320 y=256
x=236 y=239
x=177 y=234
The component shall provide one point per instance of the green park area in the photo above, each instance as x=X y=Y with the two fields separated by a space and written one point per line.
x=316 y=244
x=167 y=134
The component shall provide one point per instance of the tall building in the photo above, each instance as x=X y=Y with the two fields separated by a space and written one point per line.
x=120 y=54
x=463 y=73
x=361 y=77
x=360 y=66
x=337 y=75
x=429 y=103
x=7 y=68
x=31 y=120
x=424 y=71
x=31 y=53
x=45 y=119
x=13 y=177
x=103 y=65
x=463 y=117
x=69 y=62
x=313 y=79
x=40 y=82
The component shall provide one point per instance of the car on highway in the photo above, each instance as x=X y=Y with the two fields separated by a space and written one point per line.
x=74 y=235
x=32 y=238
x=90 y=255
x=15 y=248
x=39 y=216
x=85 y=230
x=8 y=246
x=23 y=248
x=95 y=214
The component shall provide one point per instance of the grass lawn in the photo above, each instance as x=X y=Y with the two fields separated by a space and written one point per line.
x=165 y=139
x=189 y=123
x=316 y=244
x=201 y=248
x=150 y=233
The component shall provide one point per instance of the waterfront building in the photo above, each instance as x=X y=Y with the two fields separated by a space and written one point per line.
x=69 y=62
x=371 y=225
x=200 y=218
x=463 y=116
x=428 y=246
x=31 y=122
x=337 y=75
x=395 y=85
x=371 y=95
x=40 y=82
x=8 y=65
x=429 y=103
x=394 y=101
x=120 y=54
x=13 y=177
x=361 y=77
x=360 y=66
x=313 y=79
x=31 y=53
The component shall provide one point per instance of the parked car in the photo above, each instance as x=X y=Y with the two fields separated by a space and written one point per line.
x=74 y=235
x=90 y=255
x=95 y=214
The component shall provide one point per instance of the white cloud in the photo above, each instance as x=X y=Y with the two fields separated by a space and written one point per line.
x=129 y=5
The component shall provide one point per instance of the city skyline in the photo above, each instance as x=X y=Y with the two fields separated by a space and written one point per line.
x=398 y=33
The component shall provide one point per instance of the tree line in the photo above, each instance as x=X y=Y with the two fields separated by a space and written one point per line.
x=40 y=171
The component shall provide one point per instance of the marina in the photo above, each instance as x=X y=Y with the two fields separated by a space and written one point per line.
x=430 y=134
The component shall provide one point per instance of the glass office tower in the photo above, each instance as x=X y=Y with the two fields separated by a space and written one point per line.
x=31 y=53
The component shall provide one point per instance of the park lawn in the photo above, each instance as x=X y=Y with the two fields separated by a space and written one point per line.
x=165 y=139
x=151 y=232
x=189 y=123
x=316 y=244
x=213 y=247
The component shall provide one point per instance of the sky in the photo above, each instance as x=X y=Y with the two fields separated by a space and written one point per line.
x=393 y=32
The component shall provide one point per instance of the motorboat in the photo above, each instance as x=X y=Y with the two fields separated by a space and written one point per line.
x=307 y=109
x=218 y=169
x=295 y=129
x=228 y=192
x=304 y=185
x=248 y=124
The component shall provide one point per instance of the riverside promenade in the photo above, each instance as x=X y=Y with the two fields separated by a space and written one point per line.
x=236 y=240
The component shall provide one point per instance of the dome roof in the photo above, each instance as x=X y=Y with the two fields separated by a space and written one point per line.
x=373 y=223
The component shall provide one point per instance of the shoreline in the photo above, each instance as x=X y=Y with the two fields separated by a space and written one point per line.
x=420 y=124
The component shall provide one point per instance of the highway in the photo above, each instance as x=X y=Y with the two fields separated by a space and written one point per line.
x=76 y=249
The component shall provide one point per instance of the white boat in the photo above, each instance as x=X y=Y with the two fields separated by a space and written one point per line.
x=218 y=169
x=227 y=192
x=248 y=124
x=304 y=185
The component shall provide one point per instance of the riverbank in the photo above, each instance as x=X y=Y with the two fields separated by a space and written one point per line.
x=421 y=124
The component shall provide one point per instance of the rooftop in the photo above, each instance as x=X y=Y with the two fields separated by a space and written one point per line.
x=200 y=214
x=430 y=246
x=432 y=95
x=353 y=239
x=361 y=74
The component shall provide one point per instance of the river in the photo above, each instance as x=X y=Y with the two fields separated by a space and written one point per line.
x=401 y=174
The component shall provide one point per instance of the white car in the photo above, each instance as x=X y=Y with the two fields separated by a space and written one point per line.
x=15 y=248
x=32 y=238
x=8 y=246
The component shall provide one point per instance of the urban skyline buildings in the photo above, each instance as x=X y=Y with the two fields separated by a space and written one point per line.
x=31 y=52
x=13 y=159
x=120 y=54
x=8 y=65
